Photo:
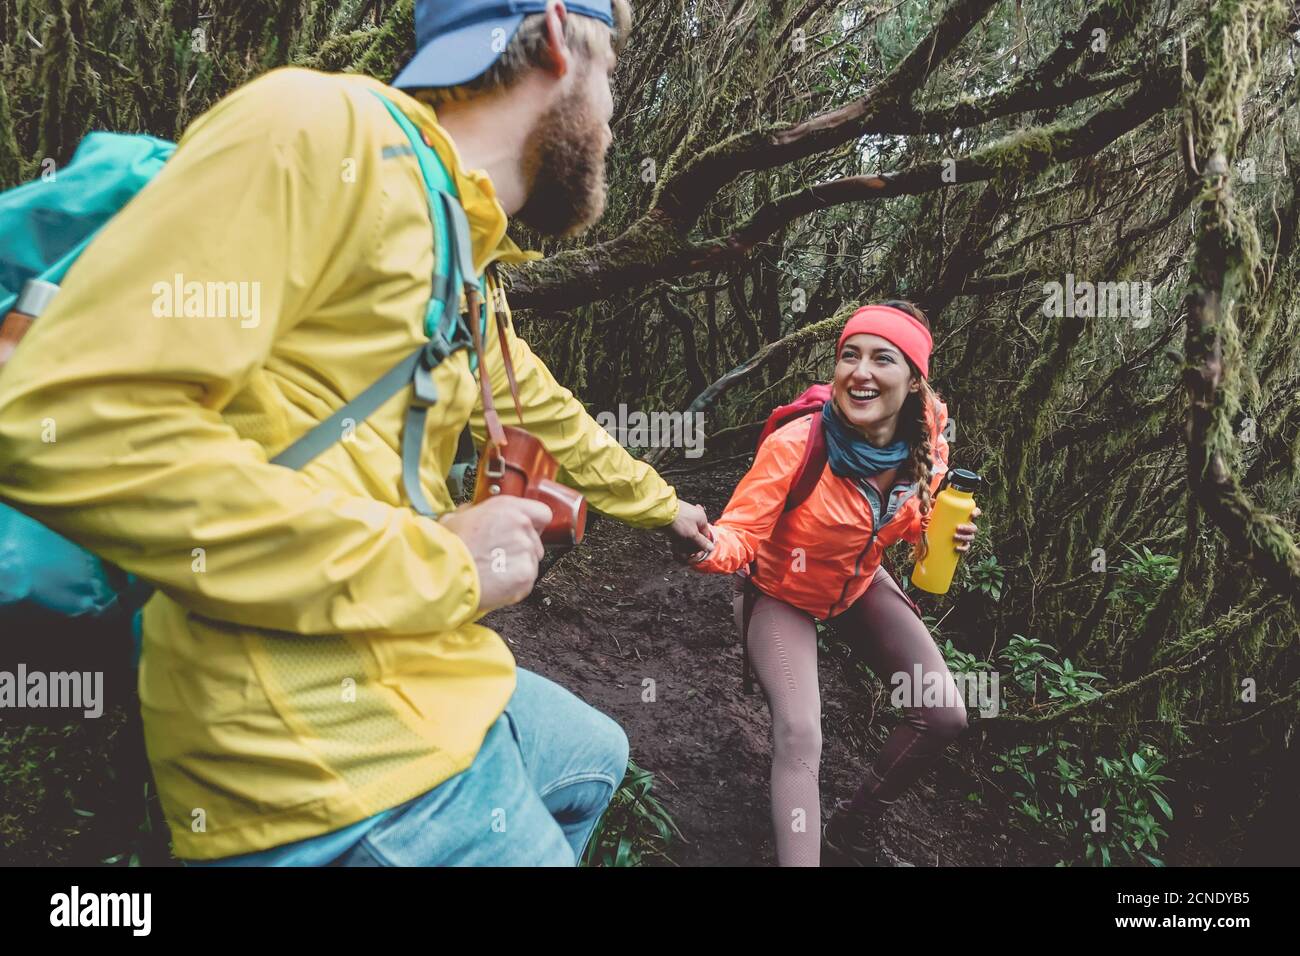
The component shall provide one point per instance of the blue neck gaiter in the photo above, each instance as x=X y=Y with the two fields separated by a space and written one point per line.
x=851 y=455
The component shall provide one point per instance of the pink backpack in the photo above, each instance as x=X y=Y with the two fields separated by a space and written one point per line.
x=814 y=454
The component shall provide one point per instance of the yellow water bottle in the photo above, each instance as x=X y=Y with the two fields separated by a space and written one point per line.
x=952 y=506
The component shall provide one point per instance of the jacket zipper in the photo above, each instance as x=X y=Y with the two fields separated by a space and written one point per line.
x=875 y=531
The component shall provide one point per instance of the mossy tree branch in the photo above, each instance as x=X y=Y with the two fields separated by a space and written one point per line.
x=1221 y=280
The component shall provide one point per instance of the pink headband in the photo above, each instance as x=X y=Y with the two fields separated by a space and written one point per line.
x=901 y=329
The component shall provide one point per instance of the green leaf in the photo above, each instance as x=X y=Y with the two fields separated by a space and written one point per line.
x=624 y=855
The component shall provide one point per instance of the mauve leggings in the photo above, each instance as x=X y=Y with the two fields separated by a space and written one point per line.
x=882 y=627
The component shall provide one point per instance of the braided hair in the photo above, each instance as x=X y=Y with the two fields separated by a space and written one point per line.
x=914 y=426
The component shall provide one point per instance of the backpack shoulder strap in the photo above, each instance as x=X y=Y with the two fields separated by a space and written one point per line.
x=810 y=469
x=325 y=433
x=748 y=600
x=441 y=324
x=437 y=182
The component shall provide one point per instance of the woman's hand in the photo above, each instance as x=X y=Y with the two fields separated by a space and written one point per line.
x=966 y=533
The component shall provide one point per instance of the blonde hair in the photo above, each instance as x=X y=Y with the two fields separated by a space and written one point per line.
x=526 y=50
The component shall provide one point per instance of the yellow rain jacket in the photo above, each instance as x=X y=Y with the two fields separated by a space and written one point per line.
x=312 y=657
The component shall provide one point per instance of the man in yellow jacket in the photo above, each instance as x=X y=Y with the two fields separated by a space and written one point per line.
x=313 y=683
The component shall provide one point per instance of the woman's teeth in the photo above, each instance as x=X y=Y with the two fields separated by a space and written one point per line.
x=863 y=394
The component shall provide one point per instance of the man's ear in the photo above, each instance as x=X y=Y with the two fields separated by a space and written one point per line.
x=557 y=56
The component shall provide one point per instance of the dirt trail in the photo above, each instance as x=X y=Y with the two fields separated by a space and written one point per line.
x=619 y=610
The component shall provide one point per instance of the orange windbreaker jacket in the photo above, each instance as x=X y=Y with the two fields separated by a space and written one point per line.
x=820 y=556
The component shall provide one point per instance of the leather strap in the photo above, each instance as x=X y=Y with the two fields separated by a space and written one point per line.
x=460 y=241
x=510 y=365
x=13 y=329
x=496 y=434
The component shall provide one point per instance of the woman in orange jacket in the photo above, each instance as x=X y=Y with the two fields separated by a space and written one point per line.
x=821 y=559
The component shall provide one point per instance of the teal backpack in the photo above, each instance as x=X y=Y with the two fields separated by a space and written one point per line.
x=48 y=581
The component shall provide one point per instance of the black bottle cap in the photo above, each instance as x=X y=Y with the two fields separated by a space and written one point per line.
x=964 y=480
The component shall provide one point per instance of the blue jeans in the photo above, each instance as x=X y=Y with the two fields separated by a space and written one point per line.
x=532 y=797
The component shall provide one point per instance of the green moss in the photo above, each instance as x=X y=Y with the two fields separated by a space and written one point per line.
x=338 y=53
x=12 y=166
x=1022 y=152
x=391 y=45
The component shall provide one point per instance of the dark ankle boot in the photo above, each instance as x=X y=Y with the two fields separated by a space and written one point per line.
x=855 y=837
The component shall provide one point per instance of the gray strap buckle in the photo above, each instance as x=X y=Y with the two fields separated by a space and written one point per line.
x=425 y=393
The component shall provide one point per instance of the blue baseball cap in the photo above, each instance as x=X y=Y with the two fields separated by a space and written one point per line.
x=457 y=40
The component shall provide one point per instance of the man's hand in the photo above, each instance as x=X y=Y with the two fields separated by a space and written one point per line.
x=504 y=536
x=689 y=534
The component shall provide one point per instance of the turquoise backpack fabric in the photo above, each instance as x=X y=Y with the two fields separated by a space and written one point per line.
x=48 y=222
x=44 y=226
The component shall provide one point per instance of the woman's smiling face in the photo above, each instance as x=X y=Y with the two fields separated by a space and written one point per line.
x=872 y=380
